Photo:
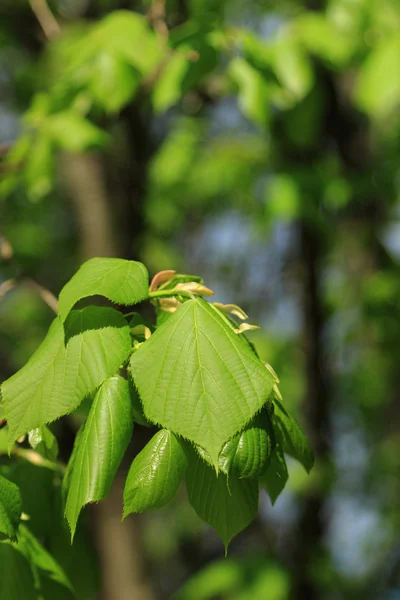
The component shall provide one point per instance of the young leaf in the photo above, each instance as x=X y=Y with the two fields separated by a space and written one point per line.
x=274 y=479
x=227 y=505
x=196 y=377
x=155 y=474
x=16 y=577
x=73 y=133
x=58 y=377
x=35 y=554
x=10 y=509
x=248 y=453
x=44 y=442
x=121 y=281
x=101 y=446
x=291 y=437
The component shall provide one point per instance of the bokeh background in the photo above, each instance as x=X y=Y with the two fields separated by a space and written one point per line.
x=256 y=144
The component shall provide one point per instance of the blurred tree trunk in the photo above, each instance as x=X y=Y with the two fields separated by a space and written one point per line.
x=108 y=224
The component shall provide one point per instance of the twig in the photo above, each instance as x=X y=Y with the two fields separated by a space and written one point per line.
x=156 y=16
x=45 y=294
x=46 y=18
x=6 y=286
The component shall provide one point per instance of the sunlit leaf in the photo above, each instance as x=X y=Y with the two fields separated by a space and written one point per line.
x=155 y=474
x=378 y=86
x=100 y=447
x=59 y=376
x=196 y=377
x=73 y=133
x=121 y=281
x=113 y=82
x=253 y=91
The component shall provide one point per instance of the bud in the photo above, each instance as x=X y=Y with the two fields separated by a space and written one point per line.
x=246 y=327
x=232 y=309
x=168 y=305
x=161 y=278
x=194 y=288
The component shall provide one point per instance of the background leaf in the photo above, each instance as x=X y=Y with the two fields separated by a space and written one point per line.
x=100 y=447
x=227 y=505
x=196 y=377
x=155 y=474
x=38 y=556
x=58 y=377
x=121 y=281
x=10 y=509
x=15 y=575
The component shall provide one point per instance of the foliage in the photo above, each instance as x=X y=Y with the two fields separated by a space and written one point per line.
x=197 y=378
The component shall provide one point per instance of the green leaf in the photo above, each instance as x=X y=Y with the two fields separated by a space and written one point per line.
x=128 y=35
x=248 y=454
x=293 y=68
x=39 y=168
x=16 y=577
x=10 y=509
x=168 y=88
x=35 y=554
x=155 y=474
x=291 y=437
x=73 y=133
x=378 y=86
x=274 y=479
x=58 y=377
x=228 y=507
x=101 y=446
x=253 y=92
x=196 y=377
x=121 y=281
x=113 y=82
x=44 y=442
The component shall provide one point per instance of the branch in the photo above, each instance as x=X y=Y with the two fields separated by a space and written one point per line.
x=46 y=18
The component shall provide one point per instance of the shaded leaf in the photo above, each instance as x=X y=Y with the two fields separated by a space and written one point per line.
x=10 y=509
x=44 y=442
x=196 y=377
x=291 y=437
x=248 y=454
x=274 y=479
x=58 y=377
x=35 y=554
x=16 y=577
x=155 y=474
x=100 y=447
x=121 y=281
x=227 y=508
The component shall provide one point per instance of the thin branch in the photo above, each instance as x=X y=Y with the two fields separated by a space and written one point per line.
x=6 y=286
x=46 y=18
x=47 y=296
x=156 y=16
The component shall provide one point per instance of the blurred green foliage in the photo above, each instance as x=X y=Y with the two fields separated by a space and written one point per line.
x=226 y=133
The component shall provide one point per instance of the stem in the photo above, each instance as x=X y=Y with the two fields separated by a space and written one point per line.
x=170 y=294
